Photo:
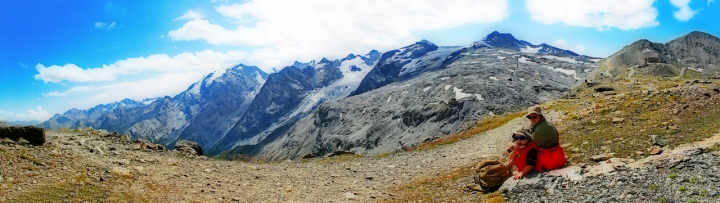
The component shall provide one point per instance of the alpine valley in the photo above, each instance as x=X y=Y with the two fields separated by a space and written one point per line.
x=367 y=104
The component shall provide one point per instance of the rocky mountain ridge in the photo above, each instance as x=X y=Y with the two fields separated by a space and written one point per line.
x=696 y=51
x=264 y=107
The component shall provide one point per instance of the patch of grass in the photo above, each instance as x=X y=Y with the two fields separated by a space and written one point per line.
x=673 y=176
x=24 y=155
x=682 y=188
x=703 y=192
x=692 y=201
x=80 y=191
x=715 y=147
x=694 y=180
x=662 y=200
x=485 y=124
x=648 y=109
x=442 y=188
x=653 y=187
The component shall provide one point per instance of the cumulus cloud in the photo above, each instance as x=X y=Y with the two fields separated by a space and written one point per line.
x=37 y=114
x=284 y=31
x=560 y=43
x=191 y=15
x=169 y=84
x=602 y=15
x=684 y=13
x=205 y=60
x=101 y=25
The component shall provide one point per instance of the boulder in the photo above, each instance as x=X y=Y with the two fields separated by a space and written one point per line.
x=34 y=135
x=189 y=147
x=655 y=140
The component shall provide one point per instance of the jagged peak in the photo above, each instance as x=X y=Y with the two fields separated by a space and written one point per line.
x=425 y=42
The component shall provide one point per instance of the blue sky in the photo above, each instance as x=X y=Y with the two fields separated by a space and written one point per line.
x=63 y=54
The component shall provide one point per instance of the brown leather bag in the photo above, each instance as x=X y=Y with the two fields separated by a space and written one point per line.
x=490 y=175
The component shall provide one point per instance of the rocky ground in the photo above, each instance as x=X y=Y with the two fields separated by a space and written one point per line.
x=75 y=166
x=686 y=174
x=93 y=166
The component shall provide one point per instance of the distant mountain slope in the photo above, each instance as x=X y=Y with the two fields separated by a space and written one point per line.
x=404 y=100
x=163 y=120
x=696 y=51
x=293 y=93
x=389 y=100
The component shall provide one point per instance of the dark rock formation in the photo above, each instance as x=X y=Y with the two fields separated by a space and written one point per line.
x=188 y=147
x=34 y=135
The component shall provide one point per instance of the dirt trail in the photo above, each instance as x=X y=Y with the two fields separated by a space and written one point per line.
x=176 y=178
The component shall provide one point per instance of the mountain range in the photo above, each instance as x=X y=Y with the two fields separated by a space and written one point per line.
x=370 y=104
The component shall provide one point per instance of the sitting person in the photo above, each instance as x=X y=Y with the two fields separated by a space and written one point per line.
x=524 y=155
x=551 y=156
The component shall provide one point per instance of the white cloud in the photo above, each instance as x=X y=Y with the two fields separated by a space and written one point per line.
x=205 y=60
x=37 y=114
x=169 y=84
x=685 y=13
x=101 y=25
x=285 y=31
x=23 y=65
x=191 y=15
x=560 y=43
x=602 y=15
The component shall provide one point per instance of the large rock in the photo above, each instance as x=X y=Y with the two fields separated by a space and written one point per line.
x=189 y=147
x=34 y=135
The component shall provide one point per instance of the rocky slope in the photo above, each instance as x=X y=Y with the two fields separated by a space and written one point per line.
x=202 y=113
x=410 y=99
x=697 y=51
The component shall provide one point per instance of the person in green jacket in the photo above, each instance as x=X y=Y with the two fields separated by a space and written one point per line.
x=542 y=133
x=547 y=139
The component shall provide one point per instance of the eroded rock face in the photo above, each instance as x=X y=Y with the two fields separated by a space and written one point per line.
x=398 y=116
x=34 y=135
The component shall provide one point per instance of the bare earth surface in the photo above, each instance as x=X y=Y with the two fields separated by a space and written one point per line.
x=77 y=159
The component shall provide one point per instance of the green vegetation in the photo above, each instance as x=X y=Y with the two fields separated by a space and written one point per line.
x=673 y=176
x=24 y=155
x=440 y=188
x=682 y=188
x=662 y=200
x=653 y=187
x=81 y=190
x=694 y=180
x=649 y=106
x=693 y=201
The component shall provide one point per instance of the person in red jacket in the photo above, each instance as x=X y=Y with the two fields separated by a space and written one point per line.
x=524 y=155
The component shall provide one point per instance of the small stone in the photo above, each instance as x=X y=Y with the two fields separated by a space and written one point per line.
x=350 y=196
x=236 y=199
x=655 y=150
x=618 y=120
x=600 y=157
